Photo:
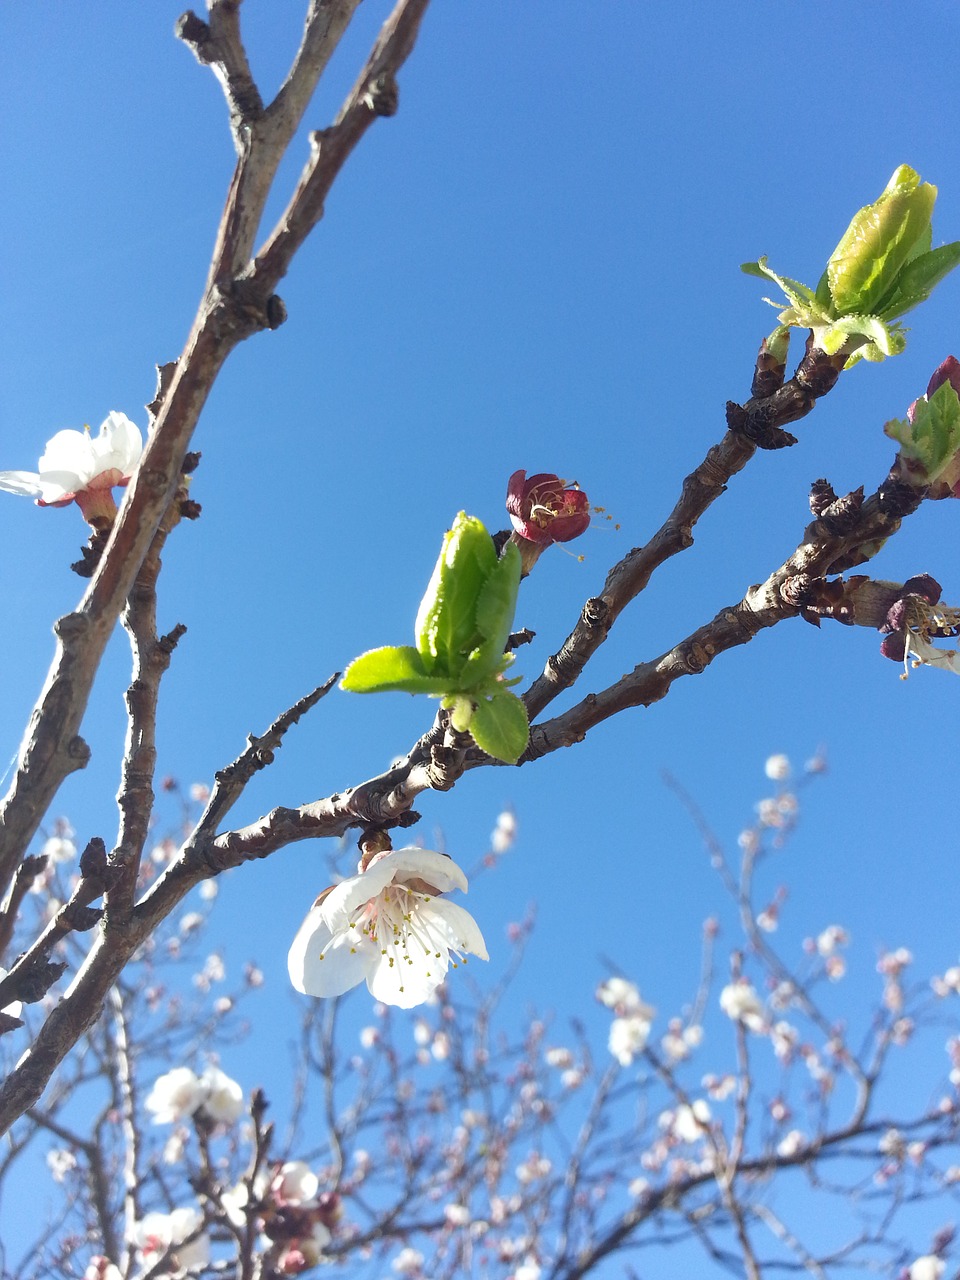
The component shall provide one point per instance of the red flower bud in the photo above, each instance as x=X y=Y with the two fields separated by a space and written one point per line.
x=543 y=511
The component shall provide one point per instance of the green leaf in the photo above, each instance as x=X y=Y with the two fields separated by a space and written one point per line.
x=495 y=607
x=933 y=438
x=446 y=626
x=919 y=278
x=394 y=667
x=500 y=727
x=879 y=241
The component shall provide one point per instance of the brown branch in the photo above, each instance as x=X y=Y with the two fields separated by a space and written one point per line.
x=750 y=424
x=151 y=658
x=34 y=972
x=112 y=948
x=218 y=44
x=262 y=140
x=230 y=782
x=374 y=94
x=782 y=596
x=231 y=310
x=27 y=872
x=125 y=1105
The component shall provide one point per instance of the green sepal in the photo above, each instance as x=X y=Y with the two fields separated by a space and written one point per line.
x=878 y=242
x=933 y=438
x=778 y=343
x=799 y=295
x=500 y=727
x=395 y=667
x=880 y=340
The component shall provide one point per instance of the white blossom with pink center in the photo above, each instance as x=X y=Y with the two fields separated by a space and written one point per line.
x=387 y=926
x=76 y=466
x=179 y=1231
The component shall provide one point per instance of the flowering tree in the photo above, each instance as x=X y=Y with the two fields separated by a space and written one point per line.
x=261 y=1207
x=450 y=1143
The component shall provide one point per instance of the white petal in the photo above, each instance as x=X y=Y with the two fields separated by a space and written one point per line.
x=57 y=485
x=345 y=958
x=118 y=444
x=70 y=452
x=436 y=868
x=405 y=984
x=342 y=904
x=932 y=656
x=23 y=482
x=461 y=930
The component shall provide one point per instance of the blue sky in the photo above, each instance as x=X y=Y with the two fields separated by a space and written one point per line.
x=534 y=264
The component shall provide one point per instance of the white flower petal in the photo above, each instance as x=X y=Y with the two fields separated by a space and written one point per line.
x=321 y=963
x=346 y=900
x=397 y=980
x=26 y=483
x=70 y=452
x=224 y=1097
x=435 y=868
x=461 y=932
x=118 y=444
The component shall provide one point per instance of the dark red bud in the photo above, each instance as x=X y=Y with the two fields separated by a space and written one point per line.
x=543 y=511
x=949 y=371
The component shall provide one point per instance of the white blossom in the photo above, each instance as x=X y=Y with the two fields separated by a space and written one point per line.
x=101 y=1268
x=739 y=1001
x=687 y=1123
x=157 y=1232
x=408 y=1262
x=628 y=1036
x=558 y=1057
x=504 y=833
x=175 y=1095
x=76 y=466
x=295 y=1183
x=619 y=994
x=529 y=1269
x=832 y=937
x=223 y=1100
x=388 y=926
x=793 y=1143
x=777 y=768
x=59 y=848
x=927 y=1267
x=60 y=1162
x=180 y=1093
